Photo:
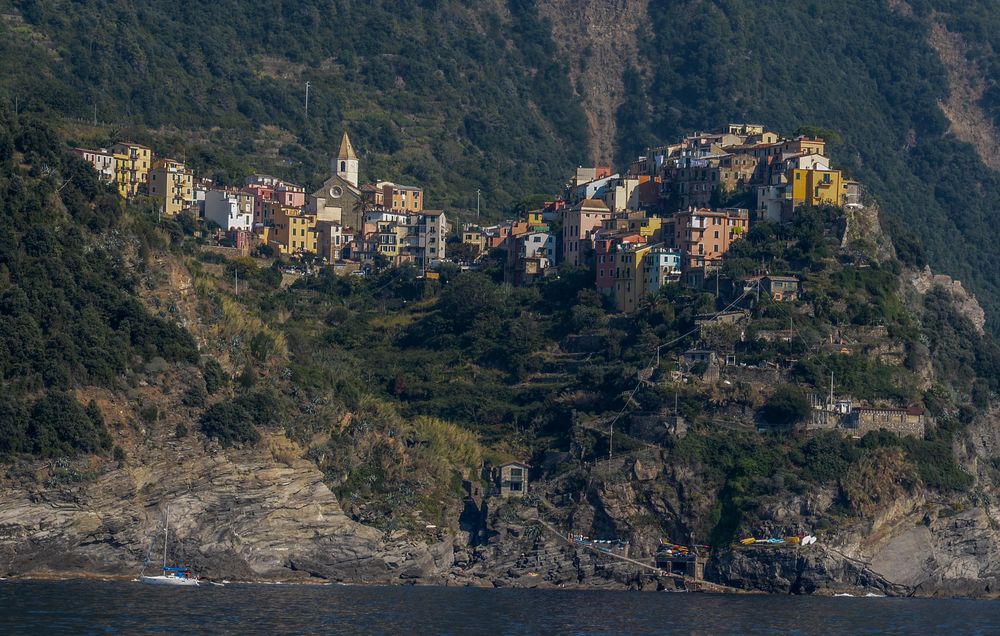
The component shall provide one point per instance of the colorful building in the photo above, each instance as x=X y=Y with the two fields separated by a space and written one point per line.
x=606 y=244
x=294 y=230
x=132 y=165
x=171 y=185
x=402 y=197
x=816 y=187
x=705 y=235
x=630 y=275
x=579 y=222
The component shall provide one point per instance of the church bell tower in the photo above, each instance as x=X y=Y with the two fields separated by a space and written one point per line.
x=345 y=165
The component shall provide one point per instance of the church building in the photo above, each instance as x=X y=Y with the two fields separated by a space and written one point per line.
x=339 y=199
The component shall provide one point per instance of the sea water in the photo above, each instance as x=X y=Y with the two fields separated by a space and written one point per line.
x=96 y=607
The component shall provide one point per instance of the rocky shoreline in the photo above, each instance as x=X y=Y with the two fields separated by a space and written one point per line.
x=240 y=515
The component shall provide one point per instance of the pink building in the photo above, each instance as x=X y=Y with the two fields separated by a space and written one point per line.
x=606 y=244
x=265 y=188
x=261 y=194
x=579 y=223
x=289 y=194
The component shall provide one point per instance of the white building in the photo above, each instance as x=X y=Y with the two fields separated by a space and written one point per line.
x=538 y=244
x=426 y=234
x=231 y=210
x=103 y=161
x=661 y=266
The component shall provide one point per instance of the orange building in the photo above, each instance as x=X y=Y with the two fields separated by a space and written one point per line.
x=402 y=198
x=704 y=236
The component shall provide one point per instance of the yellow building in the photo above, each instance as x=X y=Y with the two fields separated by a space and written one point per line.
x=132 y=165
x=172 y=185
x=123 y=172
x=535 y=218
x=630 y=279
x=388 y=240
x=474 y=236
x=636 y=222
x=294 y=230
x=815 y=187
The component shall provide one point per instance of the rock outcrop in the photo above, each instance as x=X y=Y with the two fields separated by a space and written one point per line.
x=965 y=302
x=954 y=555
x=234 y=514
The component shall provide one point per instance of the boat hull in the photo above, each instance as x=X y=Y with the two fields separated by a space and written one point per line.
x=168 y=580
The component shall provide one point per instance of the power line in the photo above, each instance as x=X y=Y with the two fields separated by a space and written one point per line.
x=650 y=366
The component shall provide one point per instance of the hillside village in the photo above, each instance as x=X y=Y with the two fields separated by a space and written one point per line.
x=670 y=219
x=457 y=401
x=343 y=224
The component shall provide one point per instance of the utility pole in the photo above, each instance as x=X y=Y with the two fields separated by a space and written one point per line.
x=611 y=442
x=477 y=204
x=95 y=113
x=307 y=99
x=236 y=272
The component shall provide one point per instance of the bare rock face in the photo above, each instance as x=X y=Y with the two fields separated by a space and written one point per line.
x=236 y=515
x=966 y=303
x=609 y=33
x=916 y=554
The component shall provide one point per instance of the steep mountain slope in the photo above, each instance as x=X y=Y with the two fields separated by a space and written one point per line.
x=508 y=96
x=109 y=365
x=331 y=429
x=454 y=97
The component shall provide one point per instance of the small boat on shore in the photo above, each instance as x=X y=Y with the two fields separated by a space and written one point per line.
x=175 y=576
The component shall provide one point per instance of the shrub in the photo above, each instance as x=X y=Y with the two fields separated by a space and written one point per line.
x=230 y=423
x=786 y=406
x=215 y=377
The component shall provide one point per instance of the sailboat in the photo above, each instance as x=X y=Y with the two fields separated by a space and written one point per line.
x=170 y=575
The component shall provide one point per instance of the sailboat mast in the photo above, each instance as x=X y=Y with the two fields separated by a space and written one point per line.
x=166 y=533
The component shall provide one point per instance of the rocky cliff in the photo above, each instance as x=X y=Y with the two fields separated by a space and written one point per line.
x=235 y=514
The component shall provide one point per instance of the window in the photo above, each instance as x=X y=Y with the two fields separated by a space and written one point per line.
x=717 y=234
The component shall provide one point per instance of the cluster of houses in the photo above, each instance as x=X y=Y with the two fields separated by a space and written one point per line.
x=664 y=219
x=343 y=223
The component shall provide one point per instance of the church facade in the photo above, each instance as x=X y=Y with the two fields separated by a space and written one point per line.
x=339 y=199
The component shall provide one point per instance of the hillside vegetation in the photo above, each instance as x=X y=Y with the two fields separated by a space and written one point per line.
x=451 y=97
x=458 y=98
x=399 y=388
x=69 y=315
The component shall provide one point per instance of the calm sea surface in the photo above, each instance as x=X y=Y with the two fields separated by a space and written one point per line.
x=78 y=607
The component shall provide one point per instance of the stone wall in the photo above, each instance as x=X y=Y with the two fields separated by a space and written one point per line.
x=893 y=420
